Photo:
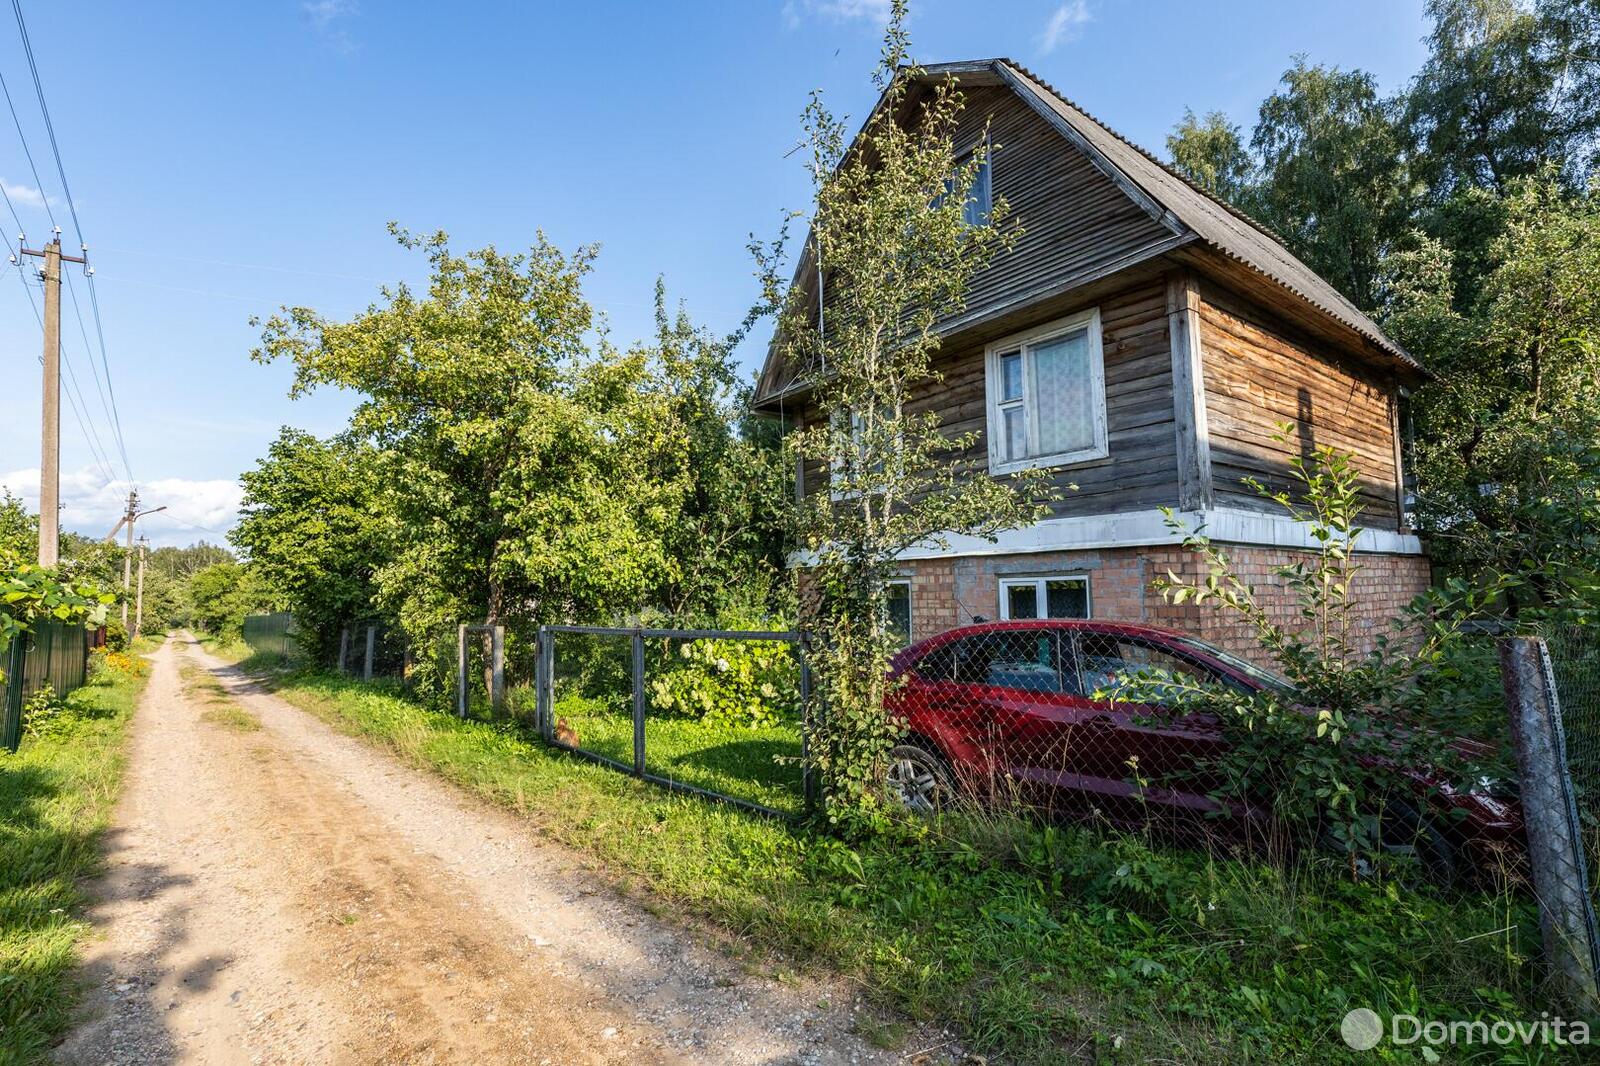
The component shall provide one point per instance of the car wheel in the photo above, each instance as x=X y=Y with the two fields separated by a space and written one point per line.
x=1406 y=833
x=917 y=779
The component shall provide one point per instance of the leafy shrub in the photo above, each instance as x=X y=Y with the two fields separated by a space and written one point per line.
x=1326 y=752
x=731 y=682
x=108 y=659
x=43 y=712
x=116 y=635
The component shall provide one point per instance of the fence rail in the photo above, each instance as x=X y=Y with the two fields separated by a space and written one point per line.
x=666 y=706
x=52 y=653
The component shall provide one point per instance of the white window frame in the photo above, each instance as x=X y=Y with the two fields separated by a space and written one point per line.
x=1024 y=342
x=1038 y=584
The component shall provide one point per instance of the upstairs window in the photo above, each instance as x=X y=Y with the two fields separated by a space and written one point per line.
x=980 y=198
x=1047 y=396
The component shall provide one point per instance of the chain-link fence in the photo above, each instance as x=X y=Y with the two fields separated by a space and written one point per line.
x=51 y=653
x=1557 y=696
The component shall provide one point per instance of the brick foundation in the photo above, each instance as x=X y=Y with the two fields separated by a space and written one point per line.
x=949 y=592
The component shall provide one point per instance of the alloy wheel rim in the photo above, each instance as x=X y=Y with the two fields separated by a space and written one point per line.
x=915 y=785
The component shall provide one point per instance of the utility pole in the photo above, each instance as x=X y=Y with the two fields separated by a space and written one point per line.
x=138 y=610
x=50 y=436
x=127 y=557
x=132 y=515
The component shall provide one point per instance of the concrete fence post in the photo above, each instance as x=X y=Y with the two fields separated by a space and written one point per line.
x=1555 y=846
x=461 y=671
x=497 y=668
x=344 y=646
x=366 y=666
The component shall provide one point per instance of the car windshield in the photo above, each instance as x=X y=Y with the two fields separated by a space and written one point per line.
x=1264 y=678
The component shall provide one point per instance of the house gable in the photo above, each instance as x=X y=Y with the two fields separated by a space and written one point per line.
x=1090 y=204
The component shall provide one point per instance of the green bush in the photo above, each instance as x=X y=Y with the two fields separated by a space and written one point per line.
x=731 y=682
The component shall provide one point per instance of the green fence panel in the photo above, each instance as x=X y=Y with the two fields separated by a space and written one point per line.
x=52 y=653
x=272 y=633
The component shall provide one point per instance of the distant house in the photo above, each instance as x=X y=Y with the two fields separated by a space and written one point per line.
x=1142 y=341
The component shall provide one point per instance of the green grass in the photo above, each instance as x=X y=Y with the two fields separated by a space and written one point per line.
x=757 y=764
x=1043 y=944
x=56 y=796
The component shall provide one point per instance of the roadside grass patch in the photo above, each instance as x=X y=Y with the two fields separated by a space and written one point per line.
x=1041 y=943
x=56 y=796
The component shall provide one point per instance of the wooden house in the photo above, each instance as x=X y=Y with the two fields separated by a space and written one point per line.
x=1142 y=342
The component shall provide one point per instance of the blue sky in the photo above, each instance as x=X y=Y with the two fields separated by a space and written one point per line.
x=229 y=158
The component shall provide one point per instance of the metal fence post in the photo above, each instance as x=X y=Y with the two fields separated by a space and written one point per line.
x=544 y=685
x=1555 y=844
x=366 y=666
x=638 y=703
x=461 y=671
x=808 y=774
x=497 y=669
x=11 y=713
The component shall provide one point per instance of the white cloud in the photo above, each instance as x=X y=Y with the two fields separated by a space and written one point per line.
x=26 y=195
x=1065 y=26
x=874 y=11
x=323 y=12
x=325 y=17
x=196 y=510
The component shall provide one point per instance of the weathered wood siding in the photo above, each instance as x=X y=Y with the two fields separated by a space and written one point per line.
x=1259 y=373
x=1074 y=219
x=1140 y=469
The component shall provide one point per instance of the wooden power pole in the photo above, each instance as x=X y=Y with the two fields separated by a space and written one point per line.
x=138 y=599
x=131 y=516
x=50 y=437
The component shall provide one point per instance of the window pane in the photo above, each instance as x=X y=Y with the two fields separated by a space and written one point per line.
x=1016 y=433
x=1022 y=601
x=1066 y=599
x=1062 y=394
x=898 y=597
x=1011 y=377
x=976 y=210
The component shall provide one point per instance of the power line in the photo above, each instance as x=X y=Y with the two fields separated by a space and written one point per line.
x=109 y=393
x=97 y=449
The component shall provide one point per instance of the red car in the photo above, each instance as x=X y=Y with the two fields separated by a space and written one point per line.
x=1009 y=708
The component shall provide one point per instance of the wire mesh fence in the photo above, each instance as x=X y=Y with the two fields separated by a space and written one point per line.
x=51 y=653
x=1575 y=663
x=716 y=713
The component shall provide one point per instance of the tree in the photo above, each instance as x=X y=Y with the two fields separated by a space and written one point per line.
x=1211 y=153
x=890 y=240
x=1333 y=176
x=314 y=527
x=1497 y=99
x=221 y=595
x=1508 y=455
x=729 y=529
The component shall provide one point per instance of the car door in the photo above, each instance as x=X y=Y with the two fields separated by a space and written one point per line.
x=1143 y=757
x=1025 y=681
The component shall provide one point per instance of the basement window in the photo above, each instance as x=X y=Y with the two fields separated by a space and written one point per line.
x=898 y=596
x=1065 y=596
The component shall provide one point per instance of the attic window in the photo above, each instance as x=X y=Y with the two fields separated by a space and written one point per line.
x=980 y=198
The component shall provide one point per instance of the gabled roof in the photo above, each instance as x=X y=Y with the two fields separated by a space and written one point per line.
x=1180 y=204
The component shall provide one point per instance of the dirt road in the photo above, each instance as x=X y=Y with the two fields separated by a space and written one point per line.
x=278 y=892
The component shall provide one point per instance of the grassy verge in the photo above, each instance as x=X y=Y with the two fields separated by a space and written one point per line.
x=1045 y=944
x=56 y=795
